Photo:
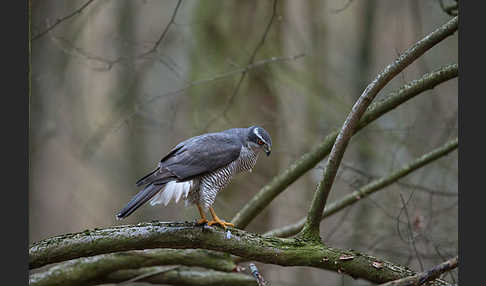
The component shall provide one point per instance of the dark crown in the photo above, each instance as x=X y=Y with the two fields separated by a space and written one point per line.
x=262 y=134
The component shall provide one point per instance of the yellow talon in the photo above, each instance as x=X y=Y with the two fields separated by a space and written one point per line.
x=217 y=220
x=221 y=223
x=203 y=219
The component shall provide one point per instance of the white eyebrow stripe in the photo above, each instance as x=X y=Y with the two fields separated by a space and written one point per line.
x=258 y=134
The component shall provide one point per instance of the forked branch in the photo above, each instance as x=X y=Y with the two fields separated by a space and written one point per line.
x=370 y=188
x=279 y=183
x=311 y=227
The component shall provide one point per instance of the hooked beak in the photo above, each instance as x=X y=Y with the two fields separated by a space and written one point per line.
x=267 y=149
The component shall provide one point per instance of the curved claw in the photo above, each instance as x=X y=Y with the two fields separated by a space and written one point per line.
x=221 y=223
x=217 y=220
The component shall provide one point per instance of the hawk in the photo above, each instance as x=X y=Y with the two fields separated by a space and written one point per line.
x=198 y=168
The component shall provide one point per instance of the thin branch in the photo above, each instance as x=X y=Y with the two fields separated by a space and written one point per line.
x=140 y=277
x=426 y=276
x=107 y=63
x=230 y=99
x=370 y=188
x=115 y=124
x=166 y=29
x=60 y=20
x=311 y=228
x=403 y=184
x=411 y=242
x=285 y=252
x=345 y=6
x=256 y=274
x=100 y=63
x=307 y=161
x=85 y=270
x=180 y=276
x=216 y=77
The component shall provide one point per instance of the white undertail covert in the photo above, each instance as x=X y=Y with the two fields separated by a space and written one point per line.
x=172 y=190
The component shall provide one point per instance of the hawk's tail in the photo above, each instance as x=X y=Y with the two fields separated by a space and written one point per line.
x=139 y=199
x=148 y=178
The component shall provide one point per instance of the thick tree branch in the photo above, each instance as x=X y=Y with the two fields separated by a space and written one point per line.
x=311 y=227
x=85 y=270
x=280 y=251
x=310 y=159
x=423 y=277
x=180 y=276
x=370 y=188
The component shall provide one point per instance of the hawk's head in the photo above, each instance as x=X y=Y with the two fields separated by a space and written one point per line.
x=259 y=139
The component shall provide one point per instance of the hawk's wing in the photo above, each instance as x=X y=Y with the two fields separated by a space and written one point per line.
x=195 y=156
x=202 y=154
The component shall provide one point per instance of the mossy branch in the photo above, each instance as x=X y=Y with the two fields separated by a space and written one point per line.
x=278 y=184
x=370 y=188
x=280 y=251
x=312 y=224
x=180 y=276
x=85 y=270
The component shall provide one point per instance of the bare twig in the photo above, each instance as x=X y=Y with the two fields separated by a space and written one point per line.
x=345 y=6
x=403 y=184
x=426 y=276
x=311 y=228
x=107 y=63
x=99 y=63
x=307 y=161
x=411 y=242
x=231 y=98
x=60 y=20
x=256 y=274
x=216 y=77
x=166 y=29
x=114 y=124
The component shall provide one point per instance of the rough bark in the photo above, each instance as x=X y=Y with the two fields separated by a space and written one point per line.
x=85 y=270
x=280 y=251
x=181 y=276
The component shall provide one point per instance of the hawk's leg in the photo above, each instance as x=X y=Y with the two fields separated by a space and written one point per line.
x=203 y=219
x=217 y=220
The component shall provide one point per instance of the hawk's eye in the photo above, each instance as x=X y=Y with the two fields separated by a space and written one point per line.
x=260 y=142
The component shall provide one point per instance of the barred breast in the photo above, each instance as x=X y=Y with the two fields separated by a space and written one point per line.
x=212 y=183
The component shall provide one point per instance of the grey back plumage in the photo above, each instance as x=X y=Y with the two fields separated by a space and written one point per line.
x=203 y=154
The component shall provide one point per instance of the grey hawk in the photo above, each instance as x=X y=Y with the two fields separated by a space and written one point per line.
x=199 y=167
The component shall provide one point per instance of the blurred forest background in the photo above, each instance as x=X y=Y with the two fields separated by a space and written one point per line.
x=118 y=85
